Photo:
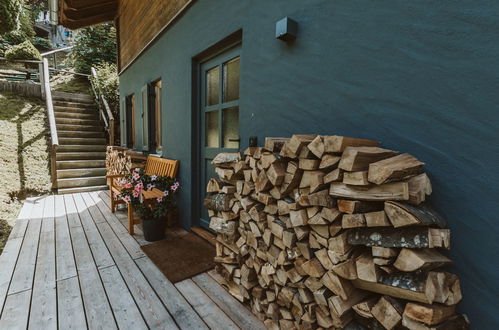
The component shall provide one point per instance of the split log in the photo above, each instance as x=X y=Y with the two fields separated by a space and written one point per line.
x=335 y=175
x=322 y=295
x=297 y=141
x=440 y=287
x=298 y=218
x=394 y=169
x=410 y=237
x=226 y=159
x=358 y=178
x=223 y=227
x=377 y=219
x=313 y=268
x=312 y=179
x=308 y=164
x=218 y=202
x=364 y=308
x=382 y=252
x=410 y=260
x=366 y=269
x=330 y=214
x=262 y=182
x=429 y=314
x=346 y=269
x=384 y=192
x=329 y=162
x=457 y=322
x=349 y=206
x=359 y=158
x=320 y=198
x=276 y=173
x=388 y=311
x=336 y=143
x=337 y=285
x=323 y=258
x=267 y=159
x=403 y=214
x=317 y=146
x=419 y=188
x=340 y=243
x=215 y=186
x=339 y=306
x=353 y=220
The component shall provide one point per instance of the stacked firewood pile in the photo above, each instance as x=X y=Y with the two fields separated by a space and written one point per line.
x=332 y=232
x=120 y=160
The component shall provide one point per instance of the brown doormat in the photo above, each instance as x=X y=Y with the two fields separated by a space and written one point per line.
x=181 y=257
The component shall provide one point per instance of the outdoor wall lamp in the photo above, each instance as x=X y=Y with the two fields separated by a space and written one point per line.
x=286 y=29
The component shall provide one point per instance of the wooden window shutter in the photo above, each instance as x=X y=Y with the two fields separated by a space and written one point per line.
x=151 y=98
x=123 y=123
x=145 y=118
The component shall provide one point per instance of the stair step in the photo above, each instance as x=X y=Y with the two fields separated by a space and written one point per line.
x=81 y=147
x=81 y=172
x=80 y=134
x=80 y=155
x=59 y=114
x=72 y=97
x=76 y=121
x=87 y=110
x=81 y=189
x=60 y=103
x=87 y=128
x=81 y=182
x=90 y=140
x=87 y=163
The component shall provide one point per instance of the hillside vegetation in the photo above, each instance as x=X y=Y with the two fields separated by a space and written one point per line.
x=24 y=157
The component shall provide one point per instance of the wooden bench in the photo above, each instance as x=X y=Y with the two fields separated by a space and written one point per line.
x=154 y=166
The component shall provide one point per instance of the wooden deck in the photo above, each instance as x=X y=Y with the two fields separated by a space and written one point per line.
x=70 y=263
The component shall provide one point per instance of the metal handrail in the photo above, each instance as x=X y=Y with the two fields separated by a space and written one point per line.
x=104 y=110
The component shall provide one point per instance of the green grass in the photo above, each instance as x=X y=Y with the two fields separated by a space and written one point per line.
x=66 y=82
x=24 y=157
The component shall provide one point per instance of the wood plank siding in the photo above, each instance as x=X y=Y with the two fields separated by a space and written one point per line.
x=139 y=22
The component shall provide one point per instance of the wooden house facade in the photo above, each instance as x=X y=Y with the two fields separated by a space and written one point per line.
x=200 y=77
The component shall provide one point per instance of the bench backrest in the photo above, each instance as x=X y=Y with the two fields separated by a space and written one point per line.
x=161 y=166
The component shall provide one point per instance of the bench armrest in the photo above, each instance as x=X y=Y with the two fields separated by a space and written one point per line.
x=113 y=176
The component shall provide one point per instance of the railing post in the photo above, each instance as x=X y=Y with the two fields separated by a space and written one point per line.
x=51 y=116
x=42 y=79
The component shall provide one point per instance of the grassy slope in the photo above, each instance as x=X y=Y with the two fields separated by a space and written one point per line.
x=24 y=158
x=66 y=82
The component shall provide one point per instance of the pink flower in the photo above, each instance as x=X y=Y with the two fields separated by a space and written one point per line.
x=122 y=182
x=135 y=193
x=165 y=193
x=127 y=199
x=150 y=186
x=128 y=185
x=159 y=199
x=175 y=186
x=138 y=188
x=154 y=177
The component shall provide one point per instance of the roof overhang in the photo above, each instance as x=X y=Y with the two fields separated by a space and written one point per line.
x=75 y=14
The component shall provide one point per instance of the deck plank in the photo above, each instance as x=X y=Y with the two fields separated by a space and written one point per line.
x=99 y=250
x=71 y=211
x=96 y=210
x=210 y=312
x=15 y=313
x=43 y=312
x=71 y=314
x=97 y=308
x=24 y=272
x=232 y=307
x=21 y=223
x=177 y=305
x=8 y=261
x=66 y=266
x=125 y=310
x=153 y=311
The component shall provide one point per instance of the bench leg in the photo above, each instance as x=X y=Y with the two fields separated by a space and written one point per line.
x=113 y=202
x=130 y=219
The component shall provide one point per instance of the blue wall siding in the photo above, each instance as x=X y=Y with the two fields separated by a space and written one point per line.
x=423 y=77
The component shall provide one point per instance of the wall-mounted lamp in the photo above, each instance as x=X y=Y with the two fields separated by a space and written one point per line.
x=286 y=29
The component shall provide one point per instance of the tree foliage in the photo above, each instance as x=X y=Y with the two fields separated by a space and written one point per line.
x=10 y=15
x=107 y=83
x=92 y=46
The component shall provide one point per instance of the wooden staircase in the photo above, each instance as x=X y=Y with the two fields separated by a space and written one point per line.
x=81 y=154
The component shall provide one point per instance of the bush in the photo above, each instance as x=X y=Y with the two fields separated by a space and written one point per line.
x=41 y=43
x=107 y=82
x=92 y=46
x=10 y=14
x=23 y=51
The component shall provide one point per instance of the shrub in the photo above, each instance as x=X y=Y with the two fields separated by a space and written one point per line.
x=23 y=51
x=10 y=14
x=92 y=46
x=41 y=43
x=107 y=81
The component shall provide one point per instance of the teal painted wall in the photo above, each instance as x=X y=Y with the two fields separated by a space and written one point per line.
x=421 y=76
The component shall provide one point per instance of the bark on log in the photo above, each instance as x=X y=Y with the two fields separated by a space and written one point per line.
x=411 y=237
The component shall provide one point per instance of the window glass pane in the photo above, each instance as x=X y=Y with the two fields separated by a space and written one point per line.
x=212 y=85
x=145 y=119
x=211 y=125
x=231 y=127
x=231 y=80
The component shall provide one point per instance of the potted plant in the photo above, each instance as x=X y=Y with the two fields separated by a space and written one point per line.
x=152 y=212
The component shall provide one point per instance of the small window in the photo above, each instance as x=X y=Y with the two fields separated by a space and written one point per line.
x=130 y=121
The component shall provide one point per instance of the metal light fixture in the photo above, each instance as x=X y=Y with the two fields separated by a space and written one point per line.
x=286 y=29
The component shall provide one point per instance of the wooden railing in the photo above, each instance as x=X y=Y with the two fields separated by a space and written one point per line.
x=104 y=110
x=46 y=92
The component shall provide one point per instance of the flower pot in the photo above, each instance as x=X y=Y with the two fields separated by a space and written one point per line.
x=154 y=229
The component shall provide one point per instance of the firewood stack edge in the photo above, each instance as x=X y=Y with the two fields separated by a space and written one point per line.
x=332 y=232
